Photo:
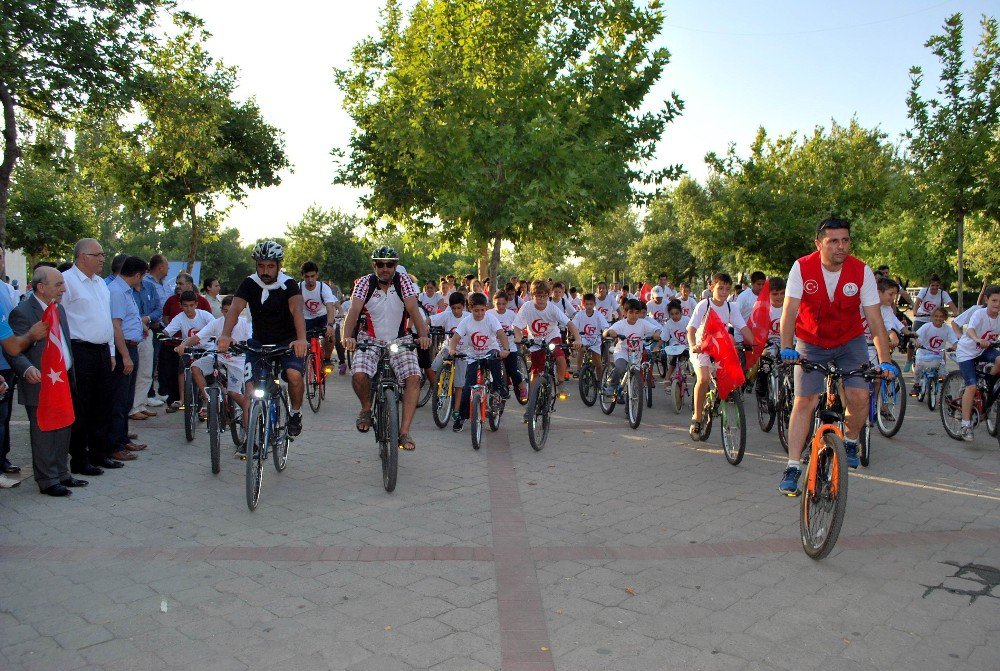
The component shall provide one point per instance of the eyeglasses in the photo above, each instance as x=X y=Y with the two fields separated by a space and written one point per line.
x=99 y=254
x=385 y=264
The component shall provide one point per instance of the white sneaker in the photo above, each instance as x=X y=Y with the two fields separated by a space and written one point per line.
x=8 y=483
x=967 y=434
x=154 y=402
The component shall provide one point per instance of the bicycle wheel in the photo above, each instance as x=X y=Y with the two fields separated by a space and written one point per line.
x=822 y=512
x=784 y=411
x=426 y=389
x=190 y=406
x=933 y=392
x=279 y=435
x=920 y=388
x=993 y=419
x=442 y=398
x=648 y=386
x=951 y=404
x=476 y=401
x=677 y=393
x=892 y=409
x=312 y=383
x=539 y=401
x=494 y=410
x=635 y=392
x=236 y=428
x=607 y=402
x=524 y=369
x=733 y=426
x=865 y=444
x=765 y=412
x=706 y=418
x=588 y=385
x=661 y=365
x=256 y=453
x=389 y=448
x=214 y=430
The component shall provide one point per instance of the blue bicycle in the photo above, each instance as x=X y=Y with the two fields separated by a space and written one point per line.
x=927 y=387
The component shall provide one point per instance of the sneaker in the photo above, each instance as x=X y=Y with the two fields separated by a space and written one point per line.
x=343 y=368
x=8 y=483
x=161 y=397
x=609 y=391
x=789 y=484
x=458 y=425
x=154 y=402
x=908 y=366
x=967 y=434
x=295 y=424
x=695 y=430
x=853 y=460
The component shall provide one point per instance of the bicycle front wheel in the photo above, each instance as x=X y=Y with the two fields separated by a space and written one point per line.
x=214 y=430
x=892 y=405
x=539 y=402
x=389 y=447
x=635 y=393
x=823 y=505
x=256 y=452
x=993 y=419
x=426 y=390
x=279 y=432
x=312 y=383
x=677 y=393
x=865 y=444
x=950 y=404
x=933 y=392
x=784 y=412
x=476 y=402
x=524 y=369
x=733 y=426
x=647 y=387
x=236 y=428
x=607 y=402
x=442 y=398
x=661 y=365
x=190 y=406
x=588 y=386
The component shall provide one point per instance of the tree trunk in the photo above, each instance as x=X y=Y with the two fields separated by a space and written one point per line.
x=194 y=235
x=483 y=264
x=494 y=269
x=961 y=264
x=11 y=152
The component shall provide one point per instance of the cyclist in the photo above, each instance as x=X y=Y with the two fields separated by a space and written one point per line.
x=482 y=334
x=730 y=315
x=606 y=304
x=674 y=333
x=448 y=321
x=319 y=306
x=887 y=295
x=190 y=321
x=933 y=340
x=275 y=304
x=386 y=298
x=563 y=301
x=825 y=295
x=977 y=346
x=687 y=301
x=506 y=318
x=591 y=324
x=635 y=329
x=429 y=299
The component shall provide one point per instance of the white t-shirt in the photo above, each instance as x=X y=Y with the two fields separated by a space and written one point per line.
x=542 y=324
x=479 y=337
x=590 y=327
x=565 y=304
x=774 y=330
x=675 y=332
x=985 y=327
x=728 y=313
x=687 y=305
x=241 y=332
x=925 y=303
x=745 y=302
x=657 y=311
x=577 y=303
x=608 y=306
x=314 y=301
x=655 y=324
x=963 y=319
x=384 y=309
x=449 y=322
x=634 y=334
x=889 y=319
x=936 y=339
x=869 y=287
x=183 y=327
x=506 y=322
x=429 y=303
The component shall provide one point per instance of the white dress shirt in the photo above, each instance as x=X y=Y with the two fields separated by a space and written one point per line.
x=87 y=302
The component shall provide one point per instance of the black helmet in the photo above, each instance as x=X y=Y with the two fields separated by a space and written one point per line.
x=269 y=250
x=385 y=253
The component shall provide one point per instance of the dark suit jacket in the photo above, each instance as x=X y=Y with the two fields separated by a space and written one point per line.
x=26 y=314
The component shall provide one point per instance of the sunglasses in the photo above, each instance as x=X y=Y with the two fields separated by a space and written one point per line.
x=385 y=264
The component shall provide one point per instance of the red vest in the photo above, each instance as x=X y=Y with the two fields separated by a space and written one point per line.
x=823 y=322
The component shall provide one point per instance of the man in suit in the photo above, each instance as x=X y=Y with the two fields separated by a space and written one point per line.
x=49 y=449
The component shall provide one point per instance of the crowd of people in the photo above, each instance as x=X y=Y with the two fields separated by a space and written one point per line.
x=122 y=337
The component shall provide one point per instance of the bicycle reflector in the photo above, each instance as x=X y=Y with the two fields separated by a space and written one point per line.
x=258 y=393
x=552 y=347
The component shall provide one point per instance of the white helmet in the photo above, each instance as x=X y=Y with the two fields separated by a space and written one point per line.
x=657 y=292
x=268 y=250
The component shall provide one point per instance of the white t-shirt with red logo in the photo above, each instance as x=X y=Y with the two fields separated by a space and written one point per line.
x=889 y=319
x=728 y=313
x=479 y=337
x=608 y=306
x=429 y=303
x=687 y=305
x=183 y=327
x=590 y=328
x=314 y=300
x=241 y=332
x=934 y=340
x=926 y=303
x=506 y=322
x=985 y=327
x=675 y=332
x=541 y=324
x=657 y=311
x=449 y=322
x=642 y=328
x=774 y=331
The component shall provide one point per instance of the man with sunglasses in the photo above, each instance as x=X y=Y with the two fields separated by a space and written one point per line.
x=827 y=294
x=384 y=299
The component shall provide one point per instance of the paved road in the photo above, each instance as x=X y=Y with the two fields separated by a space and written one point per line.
x=611 y=549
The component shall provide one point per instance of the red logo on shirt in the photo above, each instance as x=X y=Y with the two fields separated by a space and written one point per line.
x=685 y=311
x=539 y=327
x=589 y=330
x=603 y=311
x=312 y=305
x=479 y=340
x=776 y=326
x=929 y=307
x=192 y=332
x=633 y=341
x=811 y=286
x=936 y=342
x=681 y=336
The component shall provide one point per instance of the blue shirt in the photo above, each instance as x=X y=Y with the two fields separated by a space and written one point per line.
x=5 y=307
x=123 y=307
x=154 y=296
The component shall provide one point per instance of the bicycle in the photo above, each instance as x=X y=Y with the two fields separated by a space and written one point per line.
x=766 y=388
x=985 y=405
x=783 y=403
x=268 y=426
x=523 y=366
x=587 y=378
x=436 y=334
x=192 y=401
x=444 y=391
x=927 y=387
x=485 y=404
x=632 y=388
x=732 y=420
x=680 y=390
x=649 y=357
x=542 y=396
x=824 y=500
x=316 y=369
x=386 y=396
x=892 y=403
x=223 y=413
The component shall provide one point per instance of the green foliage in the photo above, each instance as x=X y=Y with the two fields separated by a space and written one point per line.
x=328 y=238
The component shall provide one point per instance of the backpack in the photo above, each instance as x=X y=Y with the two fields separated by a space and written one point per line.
x=373 y=284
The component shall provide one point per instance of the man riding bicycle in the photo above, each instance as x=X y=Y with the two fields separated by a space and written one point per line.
x=385 y=298
x=275 y=304
x=825 y=295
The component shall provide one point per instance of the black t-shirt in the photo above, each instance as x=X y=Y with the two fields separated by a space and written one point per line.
x=272 y=320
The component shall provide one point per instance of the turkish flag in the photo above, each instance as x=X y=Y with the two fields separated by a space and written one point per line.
x=55 y=405
x=718 y=344
x=644 y=292
x=760 y=324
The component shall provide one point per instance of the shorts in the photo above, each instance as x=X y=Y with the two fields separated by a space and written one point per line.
x=316 y=323
x=424 y=359
x=287 y=362
x=404 y=362
x=852 y=355
x=235 y=368
x=968 y=368
x=460 y=366
x=538 y=356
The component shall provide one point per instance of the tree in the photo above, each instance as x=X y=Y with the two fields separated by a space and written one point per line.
x=954 y=141
x=328 y=238
x=194 y=143
x=58 y=55
x=505 y=119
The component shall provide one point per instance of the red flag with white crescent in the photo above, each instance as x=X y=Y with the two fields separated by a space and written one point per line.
x=716 y=342
x=760 y=324
x=55 y=404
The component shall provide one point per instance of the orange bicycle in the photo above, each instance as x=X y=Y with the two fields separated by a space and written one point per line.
x=316 y=369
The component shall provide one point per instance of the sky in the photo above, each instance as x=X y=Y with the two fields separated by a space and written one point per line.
x=738 y=65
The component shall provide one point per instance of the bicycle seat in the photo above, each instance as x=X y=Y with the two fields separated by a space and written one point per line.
x=830 y=417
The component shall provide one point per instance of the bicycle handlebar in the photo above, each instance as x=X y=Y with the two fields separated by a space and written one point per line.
x=867 y=371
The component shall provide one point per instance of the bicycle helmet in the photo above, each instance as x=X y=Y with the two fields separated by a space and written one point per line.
x=269 y=250
x=385 y=253
x=657 y=292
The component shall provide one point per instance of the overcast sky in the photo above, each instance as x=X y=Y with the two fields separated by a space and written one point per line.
x=786 y=65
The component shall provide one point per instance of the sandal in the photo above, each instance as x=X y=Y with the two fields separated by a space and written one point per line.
x=203 y=414
x=406 y=443
x=364 y=420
